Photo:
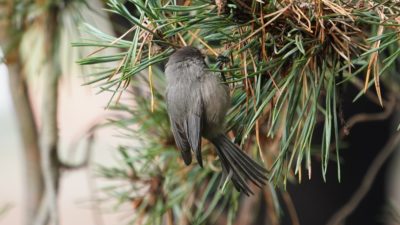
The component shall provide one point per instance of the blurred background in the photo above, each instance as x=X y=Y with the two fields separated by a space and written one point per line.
x=116 y=159
x=78 y=187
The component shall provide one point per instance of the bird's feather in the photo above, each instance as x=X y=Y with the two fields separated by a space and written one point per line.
x=194 y=123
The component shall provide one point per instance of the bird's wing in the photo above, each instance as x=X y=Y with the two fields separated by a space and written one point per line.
x=193 y=123
x=179 y=133
x=182 y=142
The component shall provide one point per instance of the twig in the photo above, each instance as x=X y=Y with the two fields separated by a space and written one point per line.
x=339 y=217
x=90 y=131
x=86 y=158
x=291 y=208
x=368 y=117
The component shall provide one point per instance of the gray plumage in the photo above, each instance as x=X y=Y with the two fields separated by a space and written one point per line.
x=197 y=102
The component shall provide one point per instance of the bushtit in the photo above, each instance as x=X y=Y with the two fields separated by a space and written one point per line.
x=197 y=102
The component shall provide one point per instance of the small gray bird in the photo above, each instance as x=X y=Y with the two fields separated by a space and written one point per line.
x=197 y=102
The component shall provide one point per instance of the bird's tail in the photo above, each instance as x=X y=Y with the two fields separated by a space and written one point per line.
x=239 y=165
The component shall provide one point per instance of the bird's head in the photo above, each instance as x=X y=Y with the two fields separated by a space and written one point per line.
x=187 y=53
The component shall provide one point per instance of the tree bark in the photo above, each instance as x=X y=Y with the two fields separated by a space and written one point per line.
x=29 y=135
x=49 y=130
x=48 y=138
x=48 y=145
